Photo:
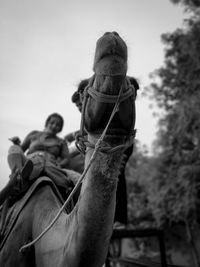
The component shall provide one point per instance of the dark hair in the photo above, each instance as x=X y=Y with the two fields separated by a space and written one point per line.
x=75 y=97
x=55 y=115
x=134 y=82
x=82 y=85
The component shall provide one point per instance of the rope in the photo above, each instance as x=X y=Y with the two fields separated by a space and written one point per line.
x=97 y=146
x=104 y=98
x=81 y=141
x=63 y=206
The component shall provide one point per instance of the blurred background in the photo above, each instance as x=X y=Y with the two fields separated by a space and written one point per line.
x=47 y=48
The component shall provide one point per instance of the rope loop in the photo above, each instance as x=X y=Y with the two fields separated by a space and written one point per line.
x=104 y=98
x=81 y=143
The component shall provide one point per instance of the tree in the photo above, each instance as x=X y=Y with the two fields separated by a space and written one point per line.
x=167 y=186
x=176 y=90
x=137 y=175
x=190 y=5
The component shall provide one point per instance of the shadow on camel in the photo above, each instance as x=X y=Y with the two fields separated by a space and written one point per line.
x=81 y=237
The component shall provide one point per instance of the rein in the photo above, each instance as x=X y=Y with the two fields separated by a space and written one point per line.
x=97 y=147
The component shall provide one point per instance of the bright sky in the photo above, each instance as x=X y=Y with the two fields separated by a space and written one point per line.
x=47 y=47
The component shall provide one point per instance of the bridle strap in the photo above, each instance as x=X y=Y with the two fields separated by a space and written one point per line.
x=104 y=98
x=83 y=142
x=81 y=139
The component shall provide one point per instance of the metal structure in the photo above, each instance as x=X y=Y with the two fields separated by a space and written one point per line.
x=119 y=234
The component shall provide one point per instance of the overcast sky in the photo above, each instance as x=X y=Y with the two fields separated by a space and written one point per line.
x=47 y=47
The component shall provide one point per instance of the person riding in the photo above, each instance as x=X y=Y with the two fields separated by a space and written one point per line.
x=77 y=159
x=41 y=153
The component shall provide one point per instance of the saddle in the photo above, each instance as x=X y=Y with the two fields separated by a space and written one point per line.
x=15 y=209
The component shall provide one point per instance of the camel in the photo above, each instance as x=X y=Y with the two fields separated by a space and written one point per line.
x=81 y=237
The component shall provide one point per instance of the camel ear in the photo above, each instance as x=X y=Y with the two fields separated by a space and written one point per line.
x=134 y=82
x=82 y=85
x=78 y=94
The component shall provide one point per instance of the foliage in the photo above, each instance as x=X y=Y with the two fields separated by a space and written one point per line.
x=169 y=182
x=190 y=5
x=138 y=169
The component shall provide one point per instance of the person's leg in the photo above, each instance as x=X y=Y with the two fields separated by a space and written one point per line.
x=57 y=175
x=7 y=190
x=38 y=166
x=16 y=158
x=16 y=161
x=21 y=169
x=121 y=200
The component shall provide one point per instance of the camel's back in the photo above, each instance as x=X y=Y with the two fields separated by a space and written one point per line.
x=24 y=217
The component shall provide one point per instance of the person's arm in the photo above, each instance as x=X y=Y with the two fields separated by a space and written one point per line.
x=27 y=140
x=64 y=155
x=73 y=150
x=70 y=137
x=126 y=155
x=15 y=140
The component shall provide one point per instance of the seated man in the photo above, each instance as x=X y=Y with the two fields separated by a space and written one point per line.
x=76 y=158
x=46 y=154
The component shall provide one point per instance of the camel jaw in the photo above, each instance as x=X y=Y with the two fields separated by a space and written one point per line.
x=110 y=55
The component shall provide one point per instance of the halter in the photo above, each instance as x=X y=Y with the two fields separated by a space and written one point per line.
x=81 y=140
x=89 y=91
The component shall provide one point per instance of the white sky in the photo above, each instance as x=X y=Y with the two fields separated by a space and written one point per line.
x=47 y=47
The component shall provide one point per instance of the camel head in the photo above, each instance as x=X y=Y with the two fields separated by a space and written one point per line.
x=110 y=55
x=100 y=92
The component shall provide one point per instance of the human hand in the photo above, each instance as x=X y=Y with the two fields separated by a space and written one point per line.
x=15 y=140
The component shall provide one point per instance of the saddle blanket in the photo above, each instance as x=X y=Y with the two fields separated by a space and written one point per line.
x=14 y=211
